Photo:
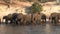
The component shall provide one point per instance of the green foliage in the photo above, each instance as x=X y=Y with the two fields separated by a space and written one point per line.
x=30 y=0
x=36 y=8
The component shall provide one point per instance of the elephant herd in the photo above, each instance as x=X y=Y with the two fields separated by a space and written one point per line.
x=19 y=18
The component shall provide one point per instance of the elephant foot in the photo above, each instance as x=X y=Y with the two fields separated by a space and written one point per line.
x=28 y=23
x=21 y=23
x=16 y=23
x=6 y=23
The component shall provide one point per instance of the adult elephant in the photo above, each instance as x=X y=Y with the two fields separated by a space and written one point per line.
x=7 y=18
x=14 y=18
x=36 y=19
x=54 y=18
x=27 y=19
x=20 y=18
x=58 y=18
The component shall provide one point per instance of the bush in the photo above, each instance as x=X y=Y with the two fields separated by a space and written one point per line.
x=36 y=8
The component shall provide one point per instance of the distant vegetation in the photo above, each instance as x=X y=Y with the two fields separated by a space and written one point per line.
x=36 y=8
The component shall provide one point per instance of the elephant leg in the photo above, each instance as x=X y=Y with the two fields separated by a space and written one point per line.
x=25 y=22
x=11 y=21
x=55 y=22
x=52 y=21
x=6 y=21
x=21 y=22
x=45 y=20
x=16 y=22
x=33 y=22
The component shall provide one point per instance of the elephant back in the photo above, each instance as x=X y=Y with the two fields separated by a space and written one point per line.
x=20 y=16
x=9 y=16
x=5 y=17
x=14 y=15
x=27 y=17
x=43 y=16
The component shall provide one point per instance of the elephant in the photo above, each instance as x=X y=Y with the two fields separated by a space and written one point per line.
x=54 y=17
x=27 y=19
x=20 y=18
x=14 y=18
x=11 y=18
x=36 y=18
x=58 y=18
x=7 y=18
x=43 y=17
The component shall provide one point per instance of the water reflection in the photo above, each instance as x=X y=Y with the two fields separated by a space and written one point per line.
x=48 y=29
x=31 y=29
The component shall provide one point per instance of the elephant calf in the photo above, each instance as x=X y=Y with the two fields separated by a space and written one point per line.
x=43 y=18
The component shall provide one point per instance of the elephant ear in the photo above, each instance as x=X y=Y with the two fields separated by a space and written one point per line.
x=9 y=15
x=4 y=17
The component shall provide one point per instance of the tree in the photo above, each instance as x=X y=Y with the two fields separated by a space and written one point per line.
x=36 y=8
x=30 y=0
x=7 y=2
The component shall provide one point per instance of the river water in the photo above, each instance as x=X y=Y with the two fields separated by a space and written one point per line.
x=29 y=29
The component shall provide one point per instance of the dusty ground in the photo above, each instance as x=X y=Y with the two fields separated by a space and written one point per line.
x=50 y=7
